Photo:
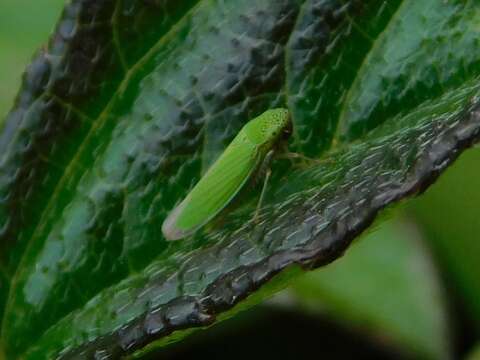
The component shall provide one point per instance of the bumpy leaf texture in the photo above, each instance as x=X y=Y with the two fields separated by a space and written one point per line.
x=132 y=100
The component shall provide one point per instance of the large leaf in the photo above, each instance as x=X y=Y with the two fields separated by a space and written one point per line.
x=119 y=115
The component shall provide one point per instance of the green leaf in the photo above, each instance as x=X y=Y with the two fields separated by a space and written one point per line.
x=122 y=111
x=372 y=289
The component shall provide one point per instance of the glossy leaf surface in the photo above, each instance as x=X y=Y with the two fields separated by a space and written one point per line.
x=128 y=104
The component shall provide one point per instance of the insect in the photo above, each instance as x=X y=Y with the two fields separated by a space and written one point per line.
x=249 y=151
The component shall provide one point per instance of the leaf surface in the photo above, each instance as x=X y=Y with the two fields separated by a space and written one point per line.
x=130 y=101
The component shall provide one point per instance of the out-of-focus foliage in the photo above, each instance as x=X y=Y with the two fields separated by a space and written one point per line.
x=475 y=354
x=449 y=214
x=385 y=286
x=24 y=26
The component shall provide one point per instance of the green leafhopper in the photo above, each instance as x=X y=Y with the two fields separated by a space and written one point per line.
x=229 y=173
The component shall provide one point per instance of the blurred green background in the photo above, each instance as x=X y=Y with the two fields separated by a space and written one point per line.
x=410 y=287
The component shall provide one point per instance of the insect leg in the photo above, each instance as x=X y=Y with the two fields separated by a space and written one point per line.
x=305 y=160
x=268 y=173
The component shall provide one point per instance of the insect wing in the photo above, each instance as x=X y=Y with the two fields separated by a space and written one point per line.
x=214 y=191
